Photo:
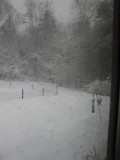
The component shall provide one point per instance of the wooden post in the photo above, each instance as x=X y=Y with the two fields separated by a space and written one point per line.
x=93 y=107
x=22 y=93
x=100 y=99
x=93 y=104
x=10 y=83
x=57 y=89
x=43 y=92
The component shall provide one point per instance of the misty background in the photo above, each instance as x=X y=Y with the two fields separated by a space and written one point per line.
x=62 y=8
x=68 y=42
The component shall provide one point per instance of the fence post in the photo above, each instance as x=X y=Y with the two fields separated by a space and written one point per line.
x=43 y=92
x=10 y=83
x=57 y=89
x=93 y=104
x=22 y=93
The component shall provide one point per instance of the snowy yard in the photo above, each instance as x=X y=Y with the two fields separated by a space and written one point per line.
x=50 y=127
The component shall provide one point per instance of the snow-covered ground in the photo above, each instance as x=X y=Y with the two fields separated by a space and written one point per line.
x=50 y=127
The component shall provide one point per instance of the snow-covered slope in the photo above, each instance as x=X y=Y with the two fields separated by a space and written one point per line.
x=51 y=127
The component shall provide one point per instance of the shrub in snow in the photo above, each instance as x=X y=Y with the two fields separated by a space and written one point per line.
x=10 y=74
x=92 y=155
x=99 y=87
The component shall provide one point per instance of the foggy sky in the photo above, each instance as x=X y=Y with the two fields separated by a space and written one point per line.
x=62 y=8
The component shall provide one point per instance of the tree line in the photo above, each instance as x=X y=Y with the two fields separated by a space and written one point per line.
x=73 y=54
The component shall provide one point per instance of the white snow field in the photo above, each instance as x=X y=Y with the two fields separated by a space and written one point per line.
x=50 y=127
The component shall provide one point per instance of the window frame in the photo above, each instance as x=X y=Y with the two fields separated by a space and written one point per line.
x=113 y=150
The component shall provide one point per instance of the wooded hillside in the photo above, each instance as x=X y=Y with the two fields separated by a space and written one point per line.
x=72 y=55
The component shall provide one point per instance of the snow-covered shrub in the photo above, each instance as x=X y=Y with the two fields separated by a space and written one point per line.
x=99 y=87
x=10 y=75
x=92 y=155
